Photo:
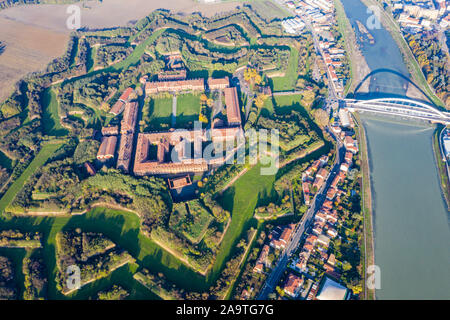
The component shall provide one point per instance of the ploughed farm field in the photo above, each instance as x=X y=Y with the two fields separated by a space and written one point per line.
x=36 y=34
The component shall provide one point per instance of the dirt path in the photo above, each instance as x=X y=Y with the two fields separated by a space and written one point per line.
x=179 y=257
x=229 y=184
x=240 y=264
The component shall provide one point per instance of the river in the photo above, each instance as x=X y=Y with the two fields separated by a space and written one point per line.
x=411 y=222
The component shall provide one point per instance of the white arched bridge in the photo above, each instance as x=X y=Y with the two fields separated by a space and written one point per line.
x=406 y=108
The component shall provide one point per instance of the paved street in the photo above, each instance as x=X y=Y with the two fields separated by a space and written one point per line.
x=174 y=110
x=301 y=227
x=319 y=198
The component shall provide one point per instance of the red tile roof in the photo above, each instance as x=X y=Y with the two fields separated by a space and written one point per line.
x=126 y=95
x=232 y=106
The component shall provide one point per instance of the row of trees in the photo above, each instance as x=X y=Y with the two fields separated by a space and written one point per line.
x=434 y=62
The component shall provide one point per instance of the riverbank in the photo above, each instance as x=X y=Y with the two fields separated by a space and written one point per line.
x=441 y=165
x=410 y=61
x=366 y=205
x=358 y=65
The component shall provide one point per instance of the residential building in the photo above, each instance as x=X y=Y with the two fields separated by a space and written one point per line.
x=293 y=285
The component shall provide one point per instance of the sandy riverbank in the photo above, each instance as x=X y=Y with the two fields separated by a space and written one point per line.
x=36 y=34
x=358 y=64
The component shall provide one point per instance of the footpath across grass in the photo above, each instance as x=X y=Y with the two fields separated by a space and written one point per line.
x=289 y=81
x=46 y=151
x=241 y=200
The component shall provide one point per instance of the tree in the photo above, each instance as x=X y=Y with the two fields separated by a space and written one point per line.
x=322 y=117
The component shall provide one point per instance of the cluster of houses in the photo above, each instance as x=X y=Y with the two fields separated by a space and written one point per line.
x=319 y=13
x=332 y=56
x=324 y=227
x=422 y=15
x=341 y=123
x=279 y=238
x=313 y=178
x=322 y=231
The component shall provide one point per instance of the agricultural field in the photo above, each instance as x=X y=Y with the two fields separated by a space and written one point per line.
x=268 y=10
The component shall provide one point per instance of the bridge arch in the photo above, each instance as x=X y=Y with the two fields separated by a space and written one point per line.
x=403 y=102
x=396 y=73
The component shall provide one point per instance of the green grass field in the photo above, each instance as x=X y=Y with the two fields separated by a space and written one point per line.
x=286 y=103
x=5 y=161
x=193 y=224
x=241 y=200
x=38 y=161
x=51 y=120
x=157 y=114
x=188 y=109
x=123 y=228
x=289 y=81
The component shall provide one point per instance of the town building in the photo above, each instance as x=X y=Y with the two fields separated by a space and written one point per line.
x=110 y=131
x=128 y=123
x=90 y=169
x=262 y=260
x=174 y=86
x=232 y=107
x=323 y=240
x=218 y=84
x=332 y=290
x=178 y=183
x=167 y=153
x=172 y=75
x=119 y=106
x=293 y=285
x=344 y=117
x=107 y=148
x=283 y=240
x=125 y=151
x=293 y=26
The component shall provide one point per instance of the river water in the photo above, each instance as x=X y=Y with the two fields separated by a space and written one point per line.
x=411 y=222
